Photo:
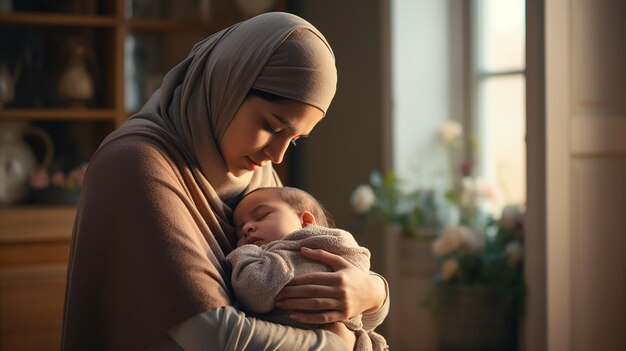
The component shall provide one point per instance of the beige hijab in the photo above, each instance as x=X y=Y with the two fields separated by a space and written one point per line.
x=153 y=224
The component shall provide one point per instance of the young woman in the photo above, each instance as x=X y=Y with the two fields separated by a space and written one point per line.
x=147 y=267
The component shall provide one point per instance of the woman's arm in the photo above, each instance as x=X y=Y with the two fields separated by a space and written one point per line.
x=344 y=293
x=226 y=328
x=372 y=319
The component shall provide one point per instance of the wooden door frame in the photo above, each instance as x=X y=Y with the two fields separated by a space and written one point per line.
x=535 y=327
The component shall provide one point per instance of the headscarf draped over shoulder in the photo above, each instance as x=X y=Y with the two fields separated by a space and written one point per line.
x=153 y=224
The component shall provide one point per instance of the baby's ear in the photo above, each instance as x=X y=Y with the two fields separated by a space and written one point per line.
x=307 y=218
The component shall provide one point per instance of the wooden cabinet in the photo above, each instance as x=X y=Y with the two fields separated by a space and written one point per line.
x=125 y=47
x=34 y=247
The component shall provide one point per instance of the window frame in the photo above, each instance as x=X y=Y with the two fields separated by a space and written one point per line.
x=476 y=75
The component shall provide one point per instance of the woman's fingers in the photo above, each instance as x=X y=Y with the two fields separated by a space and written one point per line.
x=307 y=291
x=310 y=304
x=321 y=278
x=319 y=318
x=335 y=262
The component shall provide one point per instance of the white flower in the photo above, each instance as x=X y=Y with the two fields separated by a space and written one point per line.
x=472 y=192
x=478 y=195
x=448 y=241
x=457 y=238
x=363 y=199
x=514 y=253
x=450 y=131
x=449 y=268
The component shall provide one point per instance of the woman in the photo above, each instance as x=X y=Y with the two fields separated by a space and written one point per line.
x=147 y=266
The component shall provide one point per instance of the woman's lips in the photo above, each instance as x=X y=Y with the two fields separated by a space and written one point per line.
x=253 y=166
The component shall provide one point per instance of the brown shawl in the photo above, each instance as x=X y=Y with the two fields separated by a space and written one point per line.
x=154 y=221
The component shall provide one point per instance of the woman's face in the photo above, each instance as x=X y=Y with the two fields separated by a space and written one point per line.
x=262 y=130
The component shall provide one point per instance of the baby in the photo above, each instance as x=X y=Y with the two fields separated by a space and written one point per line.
x=272 y=225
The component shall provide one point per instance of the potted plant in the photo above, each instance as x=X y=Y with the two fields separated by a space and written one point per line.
x=479 y=291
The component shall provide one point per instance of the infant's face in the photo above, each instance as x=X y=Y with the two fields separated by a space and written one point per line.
x=263 y=217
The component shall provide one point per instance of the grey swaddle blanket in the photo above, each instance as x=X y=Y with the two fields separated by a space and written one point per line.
x=259 y=273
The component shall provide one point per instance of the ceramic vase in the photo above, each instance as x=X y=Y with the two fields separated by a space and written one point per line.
x=75 y=83
x=17 y=160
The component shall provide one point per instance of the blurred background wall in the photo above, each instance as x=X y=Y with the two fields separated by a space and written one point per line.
x=352 y=140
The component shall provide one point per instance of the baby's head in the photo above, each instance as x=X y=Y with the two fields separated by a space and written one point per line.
x=269 y=214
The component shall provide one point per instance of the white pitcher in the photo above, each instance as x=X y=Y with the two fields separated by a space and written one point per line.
x=17 y=161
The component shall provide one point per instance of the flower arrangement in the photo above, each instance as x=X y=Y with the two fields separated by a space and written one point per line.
x=490 y=257
x=57 y=186
x=42 y=178
x=478 y=250
x=478 y=290
x=475 y=247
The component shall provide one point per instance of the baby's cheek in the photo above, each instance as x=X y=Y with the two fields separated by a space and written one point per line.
x=241 y=241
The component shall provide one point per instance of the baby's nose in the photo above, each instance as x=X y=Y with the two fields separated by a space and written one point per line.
x=247 y=229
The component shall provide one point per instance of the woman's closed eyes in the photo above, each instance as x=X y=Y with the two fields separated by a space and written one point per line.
x=275 y=131
x=271 y=129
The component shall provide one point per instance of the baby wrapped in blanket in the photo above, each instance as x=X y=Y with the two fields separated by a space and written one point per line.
x=273 y=224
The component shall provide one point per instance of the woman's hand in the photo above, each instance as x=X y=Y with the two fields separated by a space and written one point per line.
x=343 y=332
x=338 y=295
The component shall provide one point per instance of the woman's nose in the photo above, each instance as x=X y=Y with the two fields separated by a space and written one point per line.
x=275 y=151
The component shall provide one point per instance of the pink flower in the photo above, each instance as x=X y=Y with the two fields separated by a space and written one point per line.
x=457 y=238
x=58 y=178
x=78 y=174
x=466 y=168
x=39 y=179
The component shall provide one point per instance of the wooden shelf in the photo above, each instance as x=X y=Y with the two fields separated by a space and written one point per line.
x=78 y=20
x=25 y=224
x=61 y=20
x=35 y=239
x=74 y=114
x=167 y=25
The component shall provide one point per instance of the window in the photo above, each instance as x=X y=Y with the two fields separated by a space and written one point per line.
x=498 y=95
x=463 y=61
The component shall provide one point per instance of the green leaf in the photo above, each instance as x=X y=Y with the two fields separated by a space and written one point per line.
x=390 y=179
x=453 y=196
x=376 y=180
